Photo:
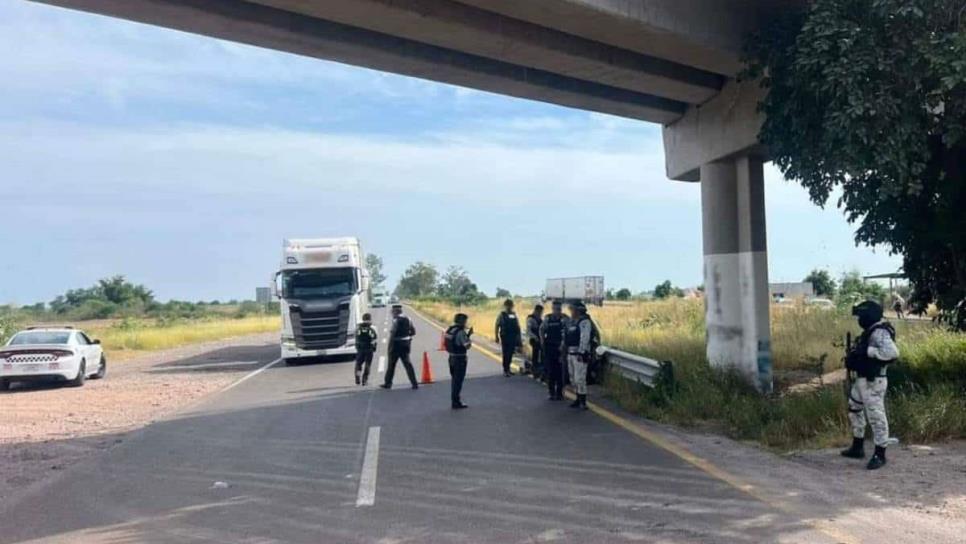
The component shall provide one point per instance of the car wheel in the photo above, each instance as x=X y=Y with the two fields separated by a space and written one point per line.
x=81 y=375
x=101 y=369
x=5 y=385
x=291 y=362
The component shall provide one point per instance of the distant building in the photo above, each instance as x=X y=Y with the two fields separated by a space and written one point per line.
x=799 y=289
x=263 y=295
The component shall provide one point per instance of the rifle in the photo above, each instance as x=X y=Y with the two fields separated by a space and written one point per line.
x=848 y=373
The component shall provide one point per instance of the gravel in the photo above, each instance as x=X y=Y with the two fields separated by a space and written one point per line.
x=48 y=427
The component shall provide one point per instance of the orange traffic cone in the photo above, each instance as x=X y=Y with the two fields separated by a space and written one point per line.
x=442 y=342
x=427 y=371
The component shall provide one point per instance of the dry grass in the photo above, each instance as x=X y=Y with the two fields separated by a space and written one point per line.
x=130 y=337
x=927 y=402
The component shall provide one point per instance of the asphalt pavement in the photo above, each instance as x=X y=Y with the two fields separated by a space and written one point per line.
x=301 y=454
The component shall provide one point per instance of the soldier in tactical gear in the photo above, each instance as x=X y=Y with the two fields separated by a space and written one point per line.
x=508 y=335
x=365 y=347
x=535 y=364
x=552 y=340
x=866 y=365
x=577 y=338
x=457 y=341
x=400 y=344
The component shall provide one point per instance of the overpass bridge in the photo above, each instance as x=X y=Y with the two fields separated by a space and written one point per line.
x=671 y=62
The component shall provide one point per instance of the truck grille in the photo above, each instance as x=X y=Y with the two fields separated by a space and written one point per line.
x=320 y=329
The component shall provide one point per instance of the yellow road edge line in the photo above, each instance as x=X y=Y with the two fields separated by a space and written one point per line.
x=702 y=464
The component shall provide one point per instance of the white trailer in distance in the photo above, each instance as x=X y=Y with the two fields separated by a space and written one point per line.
x=589 y=289
x=323 y=286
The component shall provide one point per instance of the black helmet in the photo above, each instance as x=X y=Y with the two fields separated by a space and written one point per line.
x=460 y=318
x=869 y=313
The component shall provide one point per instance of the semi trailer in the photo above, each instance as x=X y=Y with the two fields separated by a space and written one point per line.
x=588 y=289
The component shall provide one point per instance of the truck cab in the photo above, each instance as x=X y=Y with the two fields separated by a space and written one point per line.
x=322 y=286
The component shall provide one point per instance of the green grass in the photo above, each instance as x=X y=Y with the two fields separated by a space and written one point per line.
x=926 y=401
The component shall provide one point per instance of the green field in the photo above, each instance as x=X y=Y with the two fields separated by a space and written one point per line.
x=927 y=401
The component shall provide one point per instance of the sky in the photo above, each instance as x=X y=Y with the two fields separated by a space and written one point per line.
x=182 y=162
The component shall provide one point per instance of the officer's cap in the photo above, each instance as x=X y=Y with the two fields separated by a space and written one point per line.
x=366 y=318
x=579 y=305
x=397 y=306
x=556 y=302
x=460 y=318
x=538 y=307
x=508 y=302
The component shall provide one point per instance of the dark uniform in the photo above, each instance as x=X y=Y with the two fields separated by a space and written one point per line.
x=365 y=347
x=536 y=347
x=400 y=344
x=552 y=337
x=457 y=341
x=508 y=334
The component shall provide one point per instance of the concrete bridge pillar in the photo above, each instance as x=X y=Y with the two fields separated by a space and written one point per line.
x=736 y=267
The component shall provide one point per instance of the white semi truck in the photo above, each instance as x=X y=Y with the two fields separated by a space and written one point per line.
x=322 y=285
x=588 y=289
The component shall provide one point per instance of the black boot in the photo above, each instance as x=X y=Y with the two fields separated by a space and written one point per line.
x=576 y=402
x=583 y=401
x=878 y=459
x=857 y=451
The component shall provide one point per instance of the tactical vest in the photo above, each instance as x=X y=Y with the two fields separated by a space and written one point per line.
x=366 y=339
x=509 y=327
x=449 y=339
x=404 y=330
x=572 y=336
x=858 y=359
x=553 y=331
x=536 y=330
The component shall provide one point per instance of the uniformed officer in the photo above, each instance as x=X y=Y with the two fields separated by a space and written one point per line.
x=508 y=335
x=534 y=320
x=552 y=339
x=577 y=339
x=400 y=344
x=866 y=364
x=457 y=341
x=365 y=346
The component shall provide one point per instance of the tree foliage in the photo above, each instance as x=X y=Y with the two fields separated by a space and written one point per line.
x=665 y=290
x=457 y=287
x=868 y=97
x=419 y=280
x=374 y=265
x=503 y=293
x=854 y=289
x=822 y=282
x=623 y=294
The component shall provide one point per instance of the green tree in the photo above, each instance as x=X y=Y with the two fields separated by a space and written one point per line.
x=623 y=294
x=854 y=289
x=868 y=97
x=666 y=289
x=374 y=265
x=419 y=280
x=457 y=286
x=822 y=282
x=503 y=293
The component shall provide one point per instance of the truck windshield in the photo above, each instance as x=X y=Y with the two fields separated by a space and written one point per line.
x=319 y=283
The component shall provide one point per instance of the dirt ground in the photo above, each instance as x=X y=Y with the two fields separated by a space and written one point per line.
x=919 y=497
x=48 y=427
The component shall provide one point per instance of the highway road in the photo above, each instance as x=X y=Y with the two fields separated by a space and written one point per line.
x=300 y=454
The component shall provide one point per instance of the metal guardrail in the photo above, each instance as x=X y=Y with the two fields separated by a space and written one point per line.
x=636 y=368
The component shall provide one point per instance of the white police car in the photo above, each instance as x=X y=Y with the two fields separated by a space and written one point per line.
x=51 y=353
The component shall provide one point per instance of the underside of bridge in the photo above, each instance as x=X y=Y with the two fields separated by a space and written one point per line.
x=671 y=62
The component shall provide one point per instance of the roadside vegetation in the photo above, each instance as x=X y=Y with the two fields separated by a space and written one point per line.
x=128 y=320
x=927 y=401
